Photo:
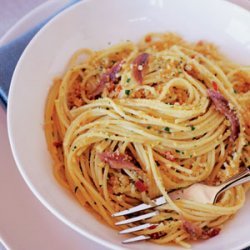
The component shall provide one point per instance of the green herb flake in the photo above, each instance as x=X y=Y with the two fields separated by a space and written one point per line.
x=177 y=151
x=127 y=91
x=192 y=127
x=235 y=92
x=148 y=127
x=167 y=129
x=128 y=80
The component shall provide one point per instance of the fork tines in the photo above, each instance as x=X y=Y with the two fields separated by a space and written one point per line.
x=137 y=228
x=137 y=238
x=157 y=202
x=137 y=218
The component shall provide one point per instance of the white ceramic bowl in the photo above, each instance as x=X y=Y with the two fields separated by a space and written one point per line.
x=93 y=24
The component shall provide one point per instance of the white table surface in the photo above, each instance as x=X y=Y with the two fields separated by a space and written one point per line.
x=12 y=198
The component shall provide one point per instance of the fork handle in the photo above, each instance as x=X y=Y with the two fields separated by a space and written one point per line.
x=236 y=180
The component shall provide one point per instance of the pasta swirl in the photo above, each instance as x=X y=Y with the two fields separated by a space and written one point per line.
x=132 y=122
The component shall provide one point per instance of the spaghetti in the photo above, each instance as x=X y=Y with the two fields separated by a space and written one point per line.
x=132 y=122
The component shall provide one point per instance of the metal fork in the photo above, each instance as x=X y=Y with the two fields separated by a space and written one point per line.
x=197 y=192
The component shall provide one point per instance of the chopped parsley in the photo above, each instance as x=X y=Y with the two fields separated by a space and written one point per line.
x=167 y=129
x=148 y=127
x=235 y=92
x=192 y=127
x=127 y=91
x=128 y=80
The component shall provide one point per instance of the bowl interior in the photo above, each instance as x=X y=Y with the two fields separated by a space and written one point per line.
x=95 y=24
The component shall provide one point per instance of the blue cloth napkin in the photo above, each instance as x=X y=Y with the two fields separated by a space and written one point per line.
x=11 y=52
